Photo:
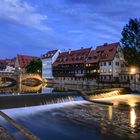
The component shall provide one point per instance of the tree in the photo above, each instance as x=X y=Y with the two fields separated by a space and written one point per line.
x=131 y=42
x=35 y=66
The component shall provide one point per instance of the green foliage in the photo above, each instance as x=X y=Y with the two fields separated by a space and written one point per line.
x=131 y=42
x=35 y=66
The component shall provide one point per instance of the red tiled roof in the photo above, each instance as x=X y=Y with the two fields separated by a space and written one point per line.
x=49 y=54
x=72 y=57
x=105 y=52
x=25 y=60
x=93 y=57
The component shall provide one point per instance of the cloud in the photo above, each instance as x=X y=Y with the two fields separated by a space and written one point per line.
x=21 y=12
x=75 y=31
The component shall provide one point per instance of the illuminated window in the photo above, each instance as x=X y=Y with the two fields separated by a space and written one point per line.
x=110 y=70
x=94 y=71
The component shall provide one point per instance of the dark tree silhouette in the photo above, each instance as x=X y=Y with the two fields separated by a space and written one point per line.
x=131 y=42
x=35 y=66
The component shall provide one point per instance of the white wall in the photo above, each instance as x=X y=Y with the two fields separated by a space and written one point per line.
x=106 y=69
x=9 y=69
x=47 y=71
x=47 y=68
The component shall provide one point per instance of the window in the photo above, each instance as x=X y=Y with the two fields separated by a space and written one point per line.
x=122 y=65
x=117 y=63
x=104 y=63
x=110 y=70
x=109 y=63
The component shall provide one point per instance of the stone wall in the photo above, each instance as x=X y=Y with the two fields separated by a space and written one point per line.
x=78 y=81
x=92 y=82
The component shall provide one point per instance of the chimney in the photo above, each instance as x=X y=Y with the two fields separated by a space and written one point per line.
x=105 y=44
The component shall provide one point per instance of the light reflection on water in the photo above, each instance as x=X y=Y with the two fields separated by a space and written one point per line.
x=132 y=117
x=110 y=112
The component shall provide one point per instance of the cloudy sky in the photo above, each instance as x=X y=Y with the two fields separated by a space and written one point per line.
x=33 y=27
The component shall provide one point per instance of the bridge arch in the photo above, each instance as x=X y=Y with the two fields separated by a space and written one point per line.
x=24 y=77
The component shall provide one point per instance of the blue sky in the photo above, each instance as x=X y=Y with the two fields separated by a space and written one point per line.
x=33 y=27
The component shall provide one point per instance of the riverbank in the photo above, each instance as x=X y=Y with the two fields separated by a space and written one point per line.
x=5 y=135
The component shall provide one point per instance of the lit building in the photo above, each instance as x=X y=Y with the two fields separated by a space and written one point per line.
x=130 y=74
x=111 y=61
x=85 y=65
x=47 y=61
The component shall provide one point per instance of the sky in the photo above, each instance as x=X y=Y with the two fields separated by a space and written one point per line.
x=33 y=27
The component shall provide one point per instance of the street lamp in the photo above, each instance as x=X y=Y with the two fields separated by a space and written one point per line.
x=133 y=70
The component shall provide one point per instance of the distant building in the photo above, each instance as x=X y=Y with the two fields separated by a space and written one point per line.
x=22 y=61
x=47 y=61
x=2 y=65
x=7 y=65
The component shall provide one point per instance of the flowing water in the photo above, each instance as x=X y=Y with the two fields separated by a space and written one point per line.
x=77 y=119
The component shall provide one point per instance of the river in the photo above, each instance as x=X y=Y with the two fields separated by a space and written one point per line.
x=78 y=119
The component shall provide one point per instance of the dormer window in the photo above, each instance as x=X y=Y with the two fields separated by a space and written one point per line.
x=103 y=56
x=95 y=57
x=111 y=50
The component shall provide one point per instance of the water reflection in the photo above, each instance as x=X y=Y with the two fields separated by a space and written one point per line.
x=110 y=112
x=41 y=88
x=132 y=117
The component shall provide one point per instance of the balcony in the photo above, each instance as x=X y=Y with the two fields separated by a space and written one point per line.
x=79 y=74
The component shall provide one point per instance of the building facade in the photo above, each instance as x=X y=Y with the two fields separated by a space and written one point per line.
x=71 y=65
x=47 y=61
x=111 y=61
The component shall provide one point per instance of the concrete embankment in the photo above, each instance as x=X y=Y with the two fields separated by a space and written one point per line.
x=5 y=135
x=27 y=133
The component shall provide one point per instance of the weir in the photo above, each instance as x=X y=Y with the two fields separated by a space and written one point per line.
x=25 y=100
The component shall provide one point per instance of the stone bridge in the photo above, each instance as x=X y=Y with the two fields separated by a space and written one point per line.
x=20 y=88
x=9 y=75
x=21 y=77
x=24 y=77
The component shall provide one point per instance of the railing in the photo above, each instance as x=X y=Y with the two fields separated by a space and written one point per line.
x=79 y=75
